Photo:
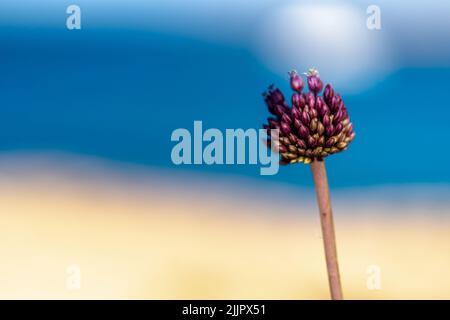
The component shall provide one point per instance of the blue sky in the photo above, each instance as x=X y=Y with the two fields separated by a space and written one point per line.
x=119 y=87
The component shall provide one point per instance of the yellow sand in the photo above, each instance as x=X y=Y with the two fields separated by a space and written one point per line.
x=157 y=242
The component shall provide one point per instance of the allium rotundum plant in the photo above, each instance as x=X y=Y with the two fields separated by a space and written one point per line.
x=314 y=126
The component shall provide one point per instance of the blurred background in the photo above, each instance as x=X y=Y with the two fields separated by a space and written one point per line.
x=91 y=205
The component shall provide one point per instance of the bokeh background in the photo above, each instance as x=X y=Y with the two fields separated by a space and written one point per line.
x=86 y=178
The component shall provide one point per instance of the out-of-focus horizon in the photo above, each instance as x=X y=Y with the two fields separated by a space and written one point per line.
x=86 y=176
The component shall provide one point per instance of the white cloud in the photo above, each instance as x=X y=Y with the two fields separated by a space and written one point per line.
x=332 y=38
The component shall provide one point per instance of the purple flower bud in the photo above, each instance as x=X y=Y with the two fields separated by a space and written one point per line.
x=328 y=93
x=292 y=138
x=279 y=110
x=295 y=113
x=338 y=117
x=277 y=96
x=314 y=83
x=310 y=99
x=274 y=124
x=286 y=118
x=285 y=128
x=325 y=110
x=303 y=131
x=329 y=130
x=296 y=81
x=330 y=142
x=338 y=129
x=301 y=143
x=321 y=106
x=305 y=117
x=302 y=101
x=335 y=103
x=319 y=103
x=296 y=99
x=311 y=141
x=326 y=120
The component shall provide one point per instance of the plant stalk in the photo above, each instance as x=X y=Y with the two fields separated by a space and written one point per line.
x=326 y=220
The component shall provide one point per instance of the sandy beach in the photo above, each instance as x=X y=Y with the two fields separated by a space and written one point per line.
x=162 y=239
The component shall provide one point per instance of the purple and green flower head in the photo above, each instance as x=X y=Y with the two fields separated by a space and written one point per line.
x=314 y=126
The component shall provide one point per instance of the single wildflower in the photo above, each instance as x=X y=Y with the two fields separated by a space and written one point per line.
x=312 y=128
x=320 y=123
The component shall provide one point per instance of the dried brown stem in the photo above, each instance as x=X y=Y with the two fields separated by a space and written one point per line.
x=326 y=220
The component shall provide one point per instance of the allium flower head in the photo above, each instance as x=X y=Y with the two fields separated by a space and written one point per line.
x=314 y=126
